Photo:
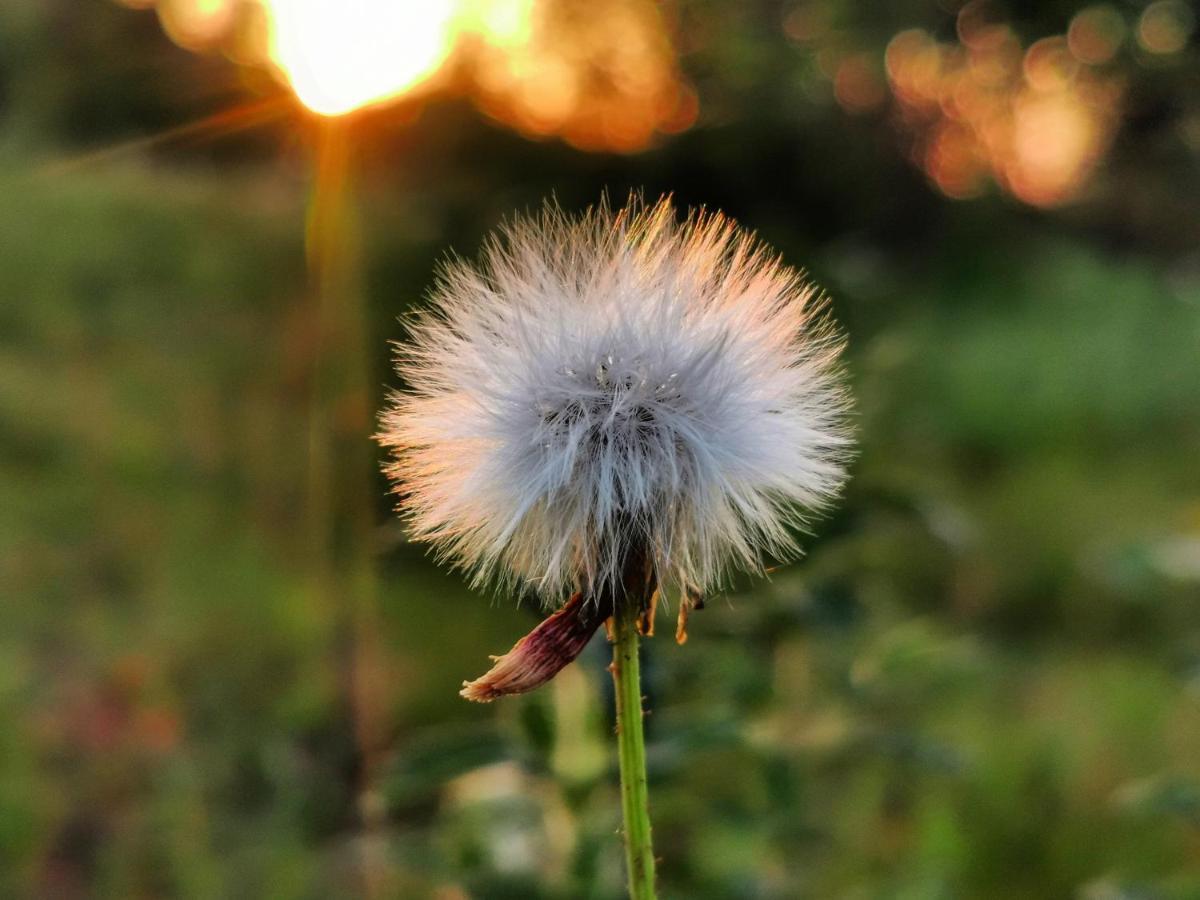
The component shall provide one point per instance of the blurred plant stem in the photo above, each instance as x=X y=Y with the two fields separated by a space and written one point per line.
x=631 y=743
x=340 y=509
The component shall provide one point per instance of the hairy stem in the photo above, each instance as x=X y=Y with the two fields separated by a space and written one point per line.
x=639 y=854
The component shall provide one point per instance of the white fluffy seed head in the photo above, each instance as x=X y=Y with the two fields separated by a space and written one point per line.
x=617 y=381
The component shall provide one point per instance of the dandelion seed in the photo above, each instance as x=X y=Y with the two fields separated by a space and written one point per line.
x=613 y=407
x=620 y=383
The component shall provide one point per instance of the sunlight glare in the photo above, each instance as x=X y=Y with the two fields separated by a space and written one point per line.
x=341 y=55
x=608 y=80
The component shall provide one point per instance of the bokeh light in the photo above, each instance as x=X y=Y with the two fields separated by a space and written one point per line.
x=1095 y=34
x=1035 y=120
x=196 y=24
x=1165 y=27
x=602 y=78
x=858 y=84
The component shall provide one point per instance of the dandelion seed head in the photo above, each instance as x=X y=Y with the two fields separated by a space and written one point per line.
x=617 y=380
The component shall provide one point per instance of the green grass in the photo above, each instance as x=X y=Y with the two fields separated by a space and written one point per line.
x=979 y=684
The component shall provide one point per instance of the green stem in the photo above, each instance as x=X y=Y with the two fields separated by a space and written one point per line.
x=639 y=854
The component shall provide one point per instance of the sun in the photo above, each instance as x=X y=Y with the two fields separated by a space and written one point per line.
x=342 y=55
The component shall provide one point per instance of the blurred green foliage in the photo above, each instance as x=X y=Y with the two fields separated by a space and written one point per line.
x=983 y=681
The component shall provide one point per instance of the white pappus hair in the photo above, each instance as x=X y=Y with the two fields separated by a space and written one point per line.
x=611 y=381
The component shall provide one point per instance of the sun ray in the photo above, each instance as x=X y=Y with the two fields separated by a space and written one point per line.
x=210 y=128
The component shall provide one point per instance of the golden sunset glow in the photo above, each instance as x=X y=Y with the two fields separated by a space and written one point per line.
x=342 y=56
x=1036 y=120
x=196 y=24
x=607 y=79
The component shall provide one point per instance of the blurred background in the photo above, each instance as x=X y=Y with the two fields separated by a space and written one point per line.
x=225 y=673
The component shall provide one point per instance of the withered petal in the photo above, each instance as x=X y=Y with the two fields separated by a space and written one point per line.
x=691 y=601
x=645 y=621
x=538 y=657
